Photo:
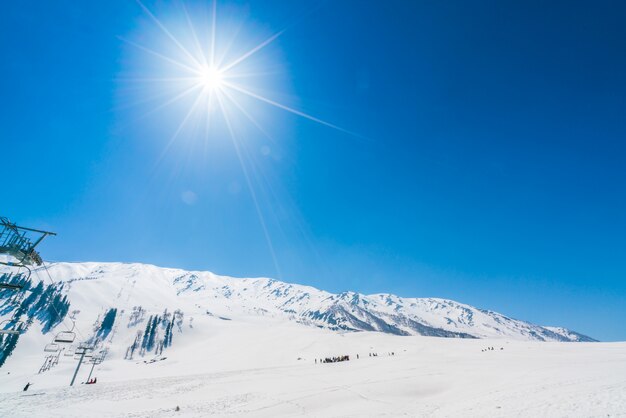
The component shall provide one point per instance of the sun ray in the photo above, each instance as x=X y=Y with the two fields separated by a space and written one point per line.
x=174 y=99
x=169 y=102
x=226 y=47
x=213 y=34
x=156 y=79
x=180 y=127
x=252 y=51
x=286 y=108
x=247 y=114
x=195 y=36
x=265 y=183
x=159 y=55
x=250 y=186
x=168 y=33
x=250 y=75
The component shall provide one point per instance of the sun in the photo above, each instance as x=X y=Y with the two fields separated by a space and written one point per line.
x=211 y=78
x=201 y=68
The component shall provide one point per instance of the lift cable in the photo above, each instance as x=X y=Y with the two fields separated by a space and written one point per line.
x=74 y=327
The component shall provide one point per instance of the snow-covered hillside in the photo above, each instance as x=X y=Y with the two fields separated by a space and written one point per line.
x=345 y=311
x=93 y=288
x=138 y=311
x=217 y=345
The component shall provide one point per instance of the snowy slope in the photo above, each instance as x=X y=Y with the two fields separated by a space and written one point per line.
x=249 y=347
x=261 y=367
x=94 y=287
x=305 y=304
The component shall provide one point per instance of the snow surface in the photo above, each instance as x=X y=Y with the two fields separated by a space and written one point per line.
x=250 y=348
x=252 y=369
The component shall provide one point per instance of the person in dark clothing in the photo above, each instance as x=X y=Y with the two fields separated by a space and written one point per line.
x=27 y=386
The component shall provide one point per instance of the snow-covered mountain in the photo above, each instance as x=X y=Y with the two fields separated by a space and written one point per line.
x=140 y=289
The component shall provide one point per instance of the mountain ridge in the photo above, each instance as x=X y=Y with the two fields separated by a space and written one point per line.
x=343 y=312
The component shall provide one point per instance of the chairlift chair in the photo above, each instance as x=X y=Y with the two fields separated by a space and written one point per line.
x=18 y=327
x=66 y=337
x=51 y=348
x=10 y=286
x=15 y=286
x=70 y=351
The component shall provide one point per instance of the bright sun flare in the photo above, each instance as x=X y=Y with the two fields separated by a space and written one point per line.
x=211 y=78
x=205 y=77
x=200 y=68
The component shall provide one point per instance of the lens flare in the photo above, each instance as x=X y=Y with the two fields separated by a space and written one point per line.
x=203 y=70
x=203 y=74
x=211 y=78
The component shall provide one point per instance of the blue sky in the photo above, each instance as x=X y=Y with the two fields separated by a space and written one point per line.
x=488 y=165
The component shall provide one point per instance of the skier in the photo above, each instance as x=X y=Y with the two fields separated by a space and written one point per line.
x=27 y=386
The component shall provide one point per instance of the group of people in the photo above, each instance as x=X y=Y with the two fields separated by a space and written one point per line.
x=347 y=358
x=334 y=359
x=490 y=349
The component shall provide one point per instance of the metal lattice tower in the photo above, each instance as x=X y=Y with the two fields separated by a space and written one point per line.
x=20 y=242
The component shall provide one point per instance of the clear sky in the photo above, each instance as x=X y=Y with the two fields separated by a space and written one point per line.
x=486 y=163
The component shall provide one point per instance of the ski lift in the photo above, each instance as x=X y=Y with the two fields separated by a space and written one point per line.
x=51 y=348
x=18 y=327
x=96 y=360
x=10 y=286
x=70 y=351
x=83 y=351
x=80 y=350
x=18 y=284
x=86 y=356
x=17 y=242
x=66 y=337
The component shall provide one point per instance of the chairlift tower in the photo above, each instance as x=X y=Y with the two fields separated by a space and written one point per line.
x=83 y=350
x=19 y=242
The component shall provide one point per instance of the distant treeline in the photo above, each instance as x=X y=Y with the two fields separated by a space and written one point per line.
x=42 y=302
x=157 y=334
